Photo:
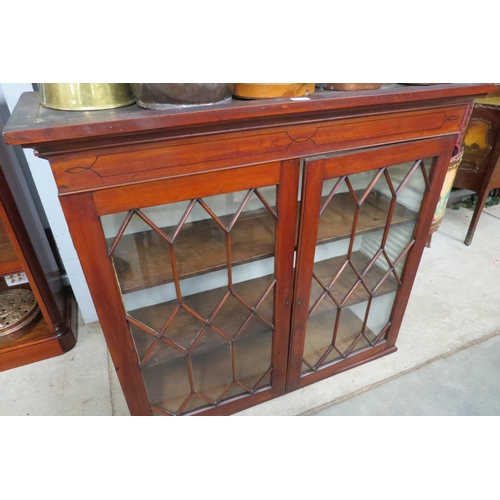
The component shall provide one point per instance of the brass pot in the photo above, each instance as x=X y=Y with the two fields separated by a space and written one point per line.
x=166 y=95
x=86 y=96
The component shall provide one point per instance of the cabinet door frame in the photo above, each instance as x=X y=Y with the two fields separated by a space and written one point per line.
x=83 y=212
x=316 y=171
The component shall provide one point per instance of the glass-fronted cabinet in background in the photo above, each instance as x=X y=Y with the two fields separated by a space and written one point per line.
x=37 y=316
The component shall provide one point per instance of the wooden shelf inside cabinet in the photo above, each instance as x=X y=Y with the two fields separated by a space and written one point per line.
x=200 y=247
x=184 y=329
x=336 y=220
x=233 y=313
x=140 y=258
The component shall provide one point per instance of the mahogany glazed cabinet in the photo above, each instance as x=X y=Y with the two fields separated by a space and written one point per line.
x=37 y=320
x=239 y=251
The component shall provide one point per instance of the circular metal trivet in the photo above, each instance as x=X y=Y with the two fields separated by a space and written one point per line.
x=18 y=308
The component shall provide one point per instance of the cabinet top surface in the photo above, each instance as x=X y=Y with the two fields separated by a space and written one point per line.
x=31 y=124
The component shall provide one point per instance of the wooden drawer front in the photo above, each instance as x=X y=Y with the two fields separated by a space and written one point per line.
x=130 y=164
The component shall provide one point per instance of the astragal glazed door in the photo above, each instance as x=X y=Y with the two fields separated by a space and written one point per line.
x=206 y=284
x=364 y=220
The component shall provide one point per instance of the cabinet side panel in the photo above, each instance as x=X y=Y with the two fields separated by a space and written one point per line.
x=92 y=250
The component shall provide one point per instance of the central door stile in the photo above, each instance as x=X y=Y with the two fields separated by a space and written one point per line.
x=285 y=250
x=313 y=175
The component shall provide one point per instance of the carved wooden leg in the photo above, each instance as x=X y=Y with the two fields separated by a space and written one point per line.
x=491 y=181
x=483 y=196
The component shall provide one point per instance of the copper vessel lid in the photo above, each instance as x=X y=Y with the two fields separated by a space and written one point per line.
x=17 y=308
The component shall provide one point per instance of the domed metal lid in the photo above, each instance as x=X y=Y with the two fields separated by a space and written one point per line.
x=18 y=308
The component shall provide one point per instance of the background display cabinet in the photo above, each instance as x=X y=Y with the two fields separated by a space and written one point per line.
x=37 y=318
x=479 y=170
x=238 y=252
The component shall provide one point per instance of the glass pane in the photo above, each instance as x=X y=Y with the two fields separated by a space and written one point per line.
x=212 y=365
x=366 y=231
x=252 y=351
x=319 y=338
x=198 y=281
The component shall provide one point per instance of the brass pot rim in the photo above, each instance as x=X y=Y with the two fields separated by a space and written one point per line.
x=86 y=96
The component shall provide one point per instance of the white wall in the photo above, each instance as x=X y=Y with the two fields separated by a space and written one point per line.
x=47 y=190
